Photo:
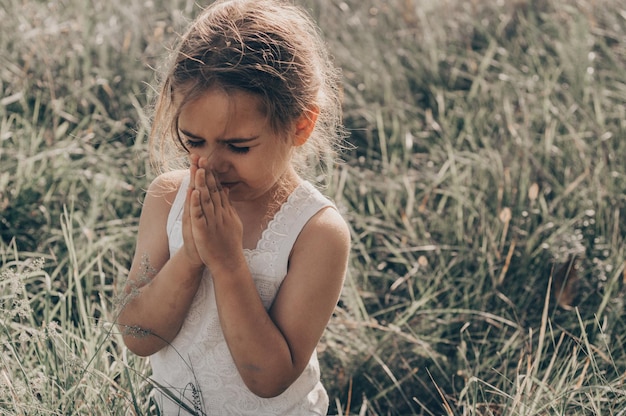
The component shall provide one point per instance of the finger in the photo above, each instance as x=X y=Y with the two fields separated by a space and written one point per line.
x=205 y=197
x=197 y=214
x=203 y=163
x=214 y=189
x=226 y=197
x=193 y=168
x=186 y=208
x=192 y=178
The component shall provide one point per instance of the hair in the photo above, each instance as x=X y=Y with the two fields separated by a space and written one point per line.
x=269 y=48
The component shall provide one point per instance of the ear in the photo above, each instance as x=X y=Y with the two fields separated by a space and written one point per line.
x=305 y=125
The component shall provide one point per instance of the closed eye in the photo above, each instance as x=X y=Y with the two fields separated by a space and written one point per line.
x=193 y=143
x=234 y=145
x=190 y=140
x=238 y=149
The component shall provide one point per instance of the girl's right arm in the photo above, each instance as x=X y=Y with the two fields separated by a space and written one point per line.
x=159 y=290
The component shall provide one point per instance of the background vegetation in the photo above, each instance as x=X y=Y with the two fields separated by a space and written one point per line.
x=485 y=187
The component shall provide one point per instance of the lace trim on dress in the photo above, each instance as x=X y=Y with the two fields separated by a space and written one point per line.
x=267 y=251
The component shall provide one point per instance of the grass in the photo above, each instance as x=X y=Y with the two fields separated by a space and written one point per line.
x=485 y=191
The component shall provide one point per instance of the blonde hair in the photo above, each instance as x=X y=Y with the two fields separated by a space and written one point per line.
x=269 y=48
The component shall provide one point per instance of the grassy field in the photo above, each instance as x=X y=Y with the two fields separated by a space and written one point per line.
x=485 y=186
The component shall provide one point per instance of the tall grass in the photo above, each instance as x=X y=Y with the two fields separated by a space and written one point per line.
x=485 y=190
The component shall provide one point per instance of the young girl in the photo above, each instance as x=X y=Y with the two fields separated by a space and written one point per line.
x=239 y=261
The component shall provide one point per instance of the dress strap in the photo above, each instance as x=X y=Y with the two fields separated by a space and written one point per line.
x=176 y=211
x=303 y=204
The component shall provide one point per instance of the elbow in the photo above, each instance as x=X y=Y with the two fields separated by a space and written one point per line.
x=268 y=391
x=267 y=388
x=271 y=380
x=142 y=349
x=140 y=341
x=139 y=349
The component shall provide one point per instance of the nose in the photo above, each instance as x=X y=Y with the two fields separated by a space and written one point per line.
x=217 y=162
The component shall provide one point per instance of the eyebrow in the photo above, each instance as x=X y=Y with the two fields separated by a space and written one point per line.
x=235 y=140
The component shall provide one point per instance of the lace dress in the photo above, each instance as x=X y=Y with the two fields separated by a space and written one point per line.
x=197 y=368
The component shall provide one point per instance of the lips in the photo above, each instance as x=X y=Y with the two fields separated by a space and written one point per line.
x=228 y=185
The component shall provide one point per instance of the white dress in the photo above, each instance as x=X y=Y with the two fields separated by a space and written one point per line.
x=197 y=367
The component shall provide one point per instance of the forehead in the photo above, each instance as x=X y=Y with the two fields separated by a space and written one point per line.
x=222 y=109
x=229 y=99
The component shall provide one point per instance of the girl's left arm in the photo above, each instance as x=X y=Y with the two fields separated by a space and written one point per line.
x=270 y=349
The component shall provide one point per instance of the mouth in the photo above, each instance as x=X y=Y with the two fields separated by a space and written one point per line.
x=228 y=185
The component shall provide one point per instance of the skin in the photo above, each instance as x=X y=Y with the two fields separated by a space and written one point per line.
x=231 y=192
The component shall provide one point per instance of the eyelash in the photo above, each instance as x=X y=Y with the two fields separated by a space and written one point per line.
x=193 y=143
x=235 y=149
x=239 y=150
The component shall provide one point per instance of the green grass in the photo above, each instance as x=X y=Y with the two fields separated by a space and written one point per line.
x=488 y=157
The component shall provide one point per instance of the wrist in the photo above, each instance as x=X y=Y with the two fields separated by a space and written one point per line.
x=233 y=266
x=189 y=266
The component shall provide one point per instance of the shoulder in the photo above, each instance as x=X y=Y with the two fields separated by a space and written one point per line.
x=328 y=220
x=166 y=185
x=327 y=224
x=162 y=192
x=326 y=234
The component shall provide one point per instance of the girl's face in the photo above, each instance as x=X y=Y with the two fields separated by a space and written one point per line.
x=231 y=130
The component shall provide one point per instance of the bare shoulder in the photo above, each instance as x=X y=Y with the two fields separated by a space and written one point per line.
x=158 y=201
x=326 y=232
x=165 y=186
x=329 y=221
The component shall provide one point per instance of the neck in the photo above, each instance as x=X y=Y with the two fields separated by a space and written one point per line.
x=270 y=202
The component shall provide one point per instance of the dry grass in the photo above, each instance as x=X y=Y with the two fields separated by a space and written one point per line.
x=485 y=191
